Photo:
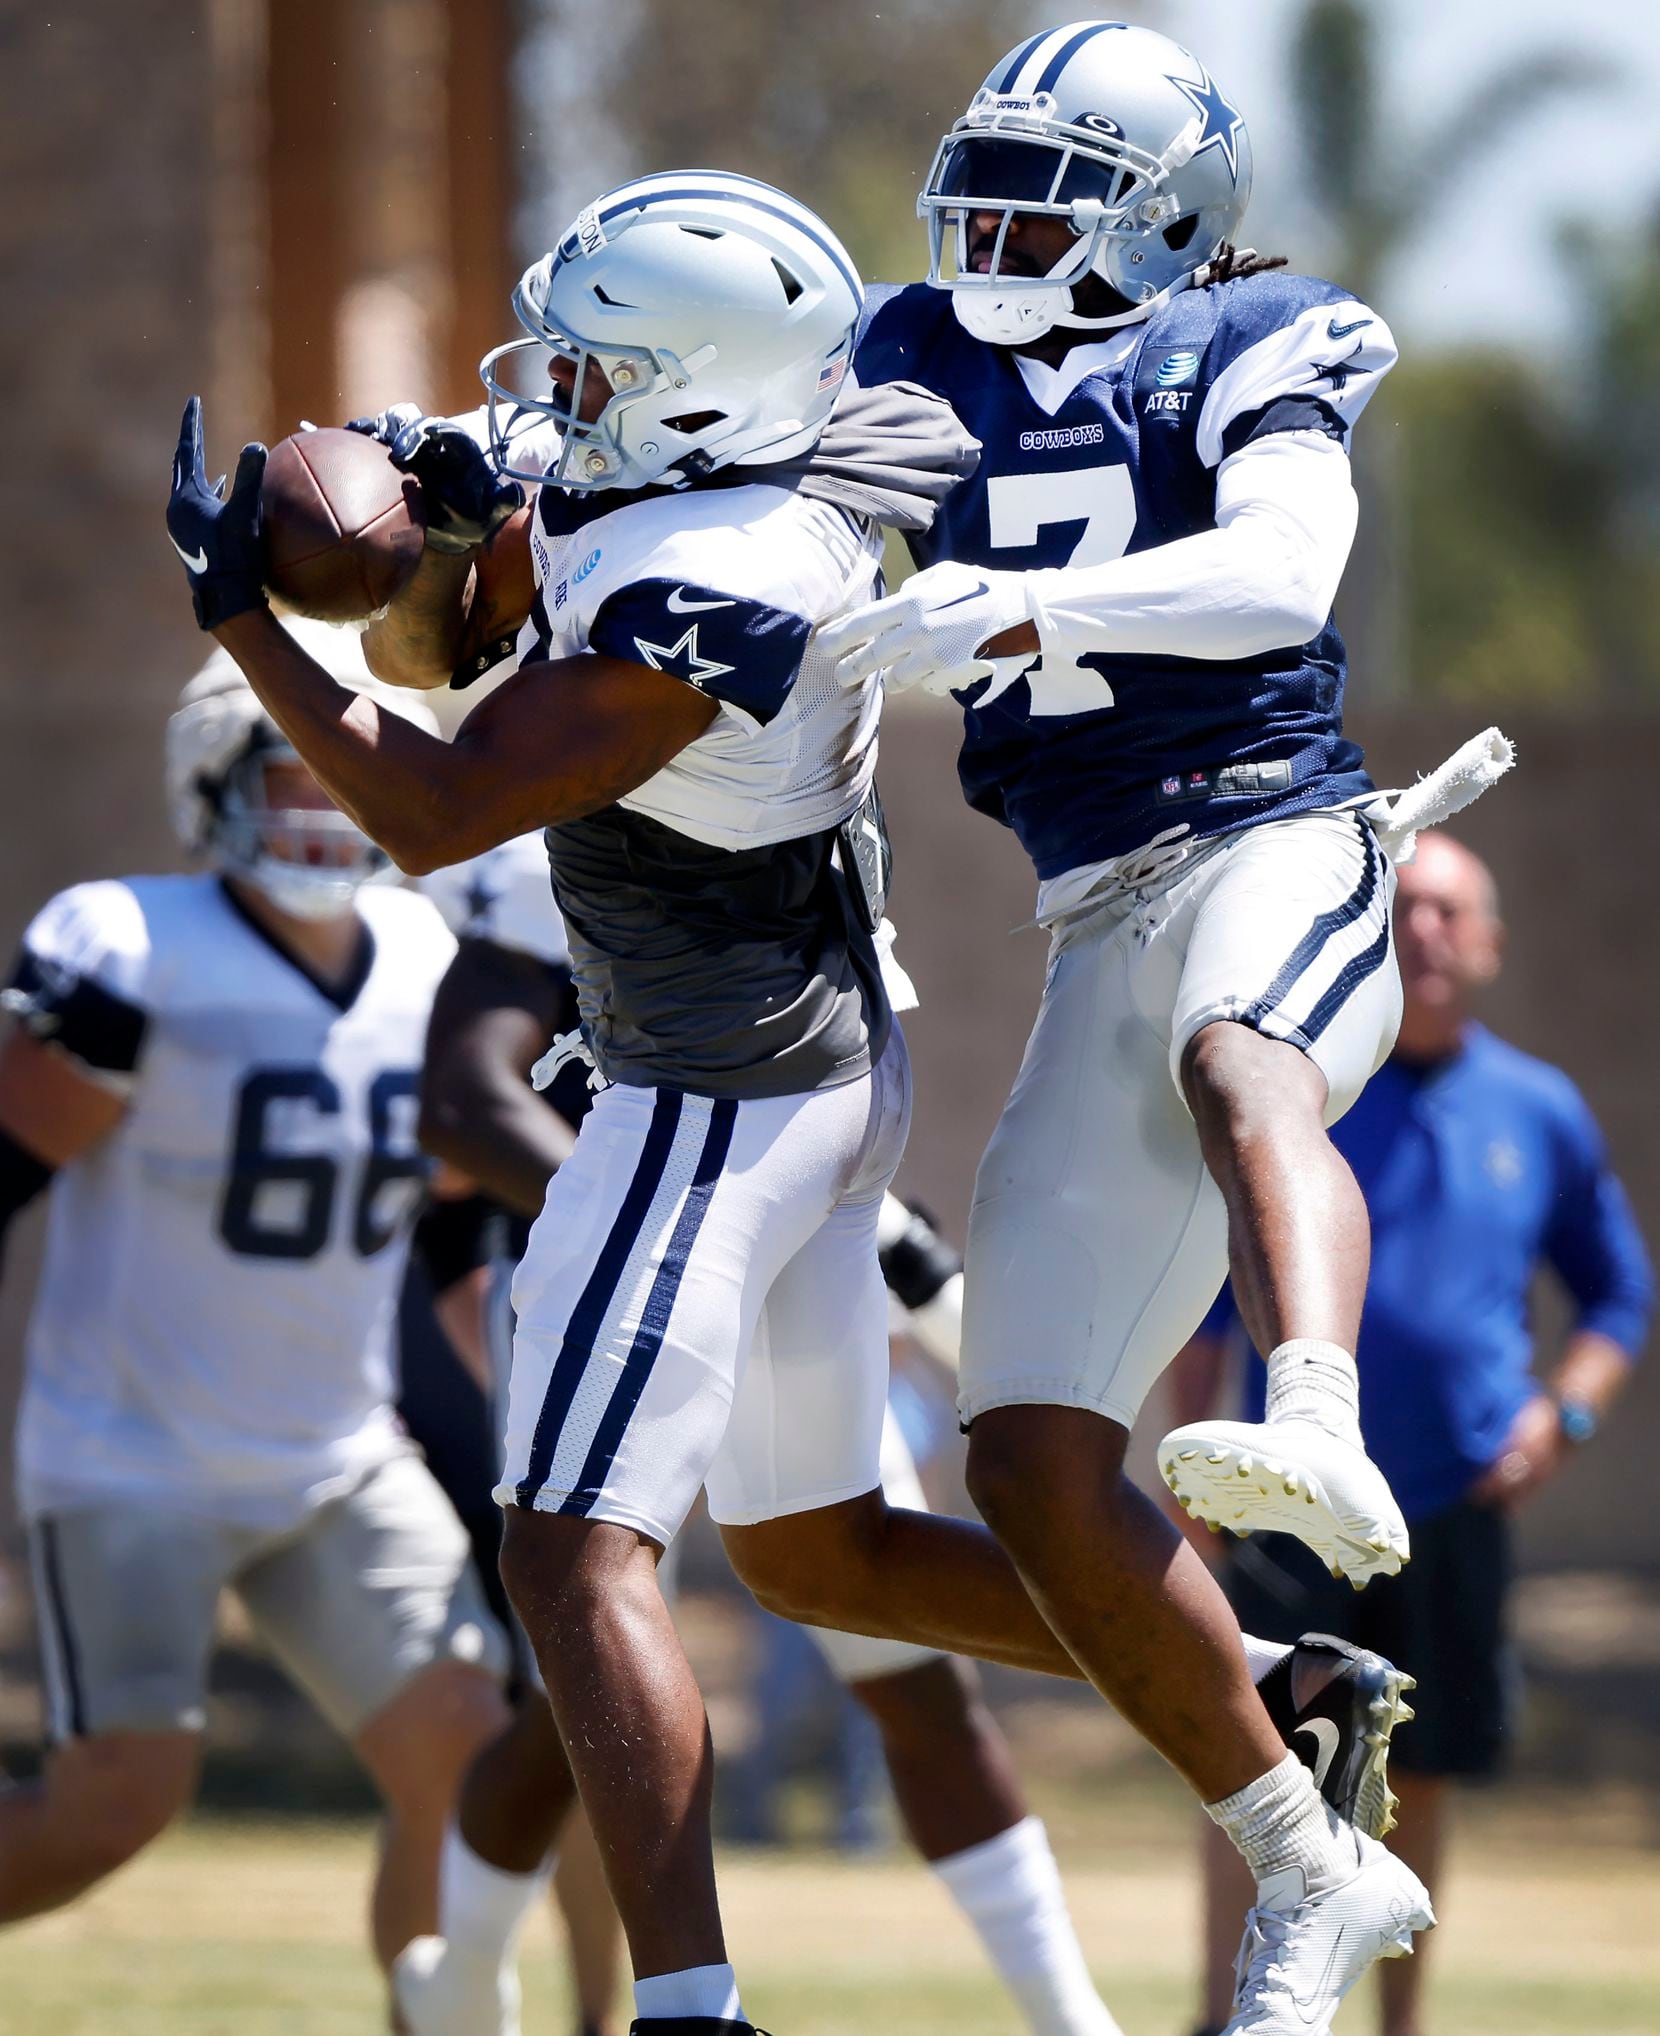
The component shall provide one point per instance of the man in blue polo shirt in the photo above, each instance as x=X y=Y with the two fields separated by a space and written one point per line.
x=1477 y=1162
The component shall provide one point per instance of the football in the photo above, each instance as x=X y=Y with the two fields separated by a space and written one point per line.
x=343 y=528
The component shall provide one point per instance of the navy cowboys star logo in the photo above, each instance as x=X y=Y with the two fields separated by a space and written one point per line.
x=681 y=659
x=1223 y=121
x=480 y=901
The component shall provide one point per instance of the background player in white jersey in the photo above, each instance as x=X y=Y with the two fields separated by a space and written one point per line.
x=215 y=1074
x=503 y=998
x=1131 y=599
x=701 y=1302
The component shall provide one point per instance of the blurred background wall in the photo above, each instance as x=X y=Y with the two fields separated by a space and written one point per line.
x=308 y=209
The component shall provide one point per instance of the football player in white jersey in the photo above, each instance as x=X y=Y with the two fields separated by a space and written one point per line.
x=215 y=1075
x=502 y=1000
x=701 y=1301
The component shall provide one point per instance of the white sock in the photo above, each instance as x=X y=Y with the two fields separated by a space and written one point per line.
x=480 y=1908
x=710 y=1990
x=1262 y=1657
x=1313 y=1381
x=1009 y=1888
x=1291 y=1839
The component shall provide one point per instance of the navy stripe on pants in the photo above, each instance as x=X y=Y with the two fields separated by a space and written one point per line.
x=588 y=1316
x=654 y=1319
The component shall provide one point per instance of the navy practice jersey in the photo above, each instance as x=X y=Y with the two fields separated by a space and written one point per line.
x=1096 y=759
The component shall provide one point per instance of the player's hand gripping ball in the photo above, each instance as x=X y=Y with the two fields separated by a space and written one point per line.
x=466 y=500
x=218 y=536
x=344 y=528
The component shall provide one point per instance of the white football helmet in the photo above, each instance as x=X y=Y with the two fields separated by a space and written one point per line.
x=1115 y=129
x=721 y=312
x=309 y=863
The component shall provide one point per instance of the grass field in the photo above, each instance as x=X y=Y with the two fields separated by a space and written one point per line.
x=255 y=1928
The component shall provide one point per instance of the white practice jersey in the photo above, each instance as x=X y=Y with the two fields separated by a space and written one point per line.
x=504 y=896
x=713 y=943
x=216 y=1310
x=721 y=587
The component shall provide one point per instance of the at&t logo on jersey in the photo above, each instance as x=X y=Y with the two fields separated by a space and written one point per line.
x=586 y=567
x=1173 y=375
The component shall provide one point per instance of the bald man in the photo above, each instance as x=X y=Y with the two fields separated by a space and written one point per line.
x=1478 y=1164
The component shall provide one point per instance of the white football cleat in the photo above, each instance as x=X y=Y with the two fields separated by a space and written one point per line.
x=438 y=1990
x=1299 y=1957
x=1290 y=1477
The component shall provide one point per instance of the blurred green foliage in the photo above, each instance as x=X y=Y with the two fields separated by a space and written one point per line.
x=1511 y=499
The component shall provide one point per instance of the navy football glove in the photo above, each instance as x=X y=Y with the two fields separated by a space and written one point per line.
x=218 y=536
x=467 y=501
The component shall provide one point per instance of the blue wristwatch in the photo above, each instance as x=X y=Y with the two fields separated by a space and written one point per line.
x=1578 y=1419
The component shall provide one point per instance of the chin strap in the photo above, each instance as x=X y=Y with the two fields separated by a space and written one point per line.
x=1029 y=314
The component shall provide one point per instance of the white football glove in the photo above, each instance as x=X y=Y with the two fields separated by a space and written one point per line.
x=926 y=634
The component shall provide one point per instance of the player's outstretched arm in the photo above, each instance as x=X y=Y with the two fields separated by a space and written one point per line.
x=557 y=741
x=1266 y=576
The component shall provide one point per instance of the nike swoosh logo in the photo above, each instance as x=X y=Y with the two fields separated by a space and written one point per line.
x=1327 y=1738
x=1310 y=2006
x=198 y=564
x=983 y=588
x=1336 y=331
x=677 y=604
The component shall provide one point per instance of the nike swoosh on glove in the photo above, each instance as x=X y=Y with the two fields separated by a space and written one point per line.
x=218 y=537
x=466 y=500
x=928 y=633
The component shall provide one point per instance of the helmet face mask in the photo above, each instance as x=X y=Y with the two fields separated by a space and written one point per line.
x=309 y=860
x=719 y=313
x=593 y=452
x=1114 y=130
x=242 y=801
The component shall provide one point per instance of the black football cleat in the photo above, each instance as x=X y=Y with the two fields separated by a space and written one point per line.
x=1336 y=1706
x=692 y=2025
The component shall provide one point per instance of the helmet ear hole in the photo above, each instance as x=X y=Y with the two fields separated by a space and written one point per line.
x=692 y=421
x=1177 y=237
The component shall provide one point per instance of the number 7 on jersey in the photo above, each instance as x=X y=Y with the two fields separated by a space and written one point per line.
x=1019 y=505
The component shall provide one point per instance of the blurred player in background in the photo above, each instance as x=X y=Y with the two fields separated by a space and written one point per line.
x=215 y=1076
x=701 y=1300
x=1131 y=599
x=506 y=994
x=1479 y=1165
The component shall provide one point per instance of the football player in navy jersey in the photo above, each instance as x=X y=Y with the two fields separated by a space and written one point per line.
x=1131 y=599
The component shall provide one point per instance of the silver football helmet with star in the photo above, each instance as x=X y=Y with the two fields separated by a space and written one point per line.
x=720 y=312
x=1118 y=131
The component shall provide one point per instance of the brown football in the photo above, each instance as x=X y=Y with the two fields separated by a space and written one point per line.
x=343 y=528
